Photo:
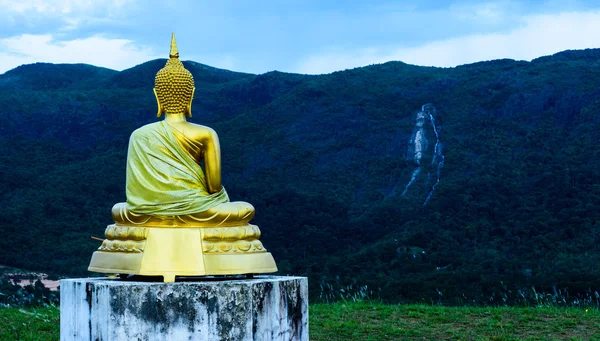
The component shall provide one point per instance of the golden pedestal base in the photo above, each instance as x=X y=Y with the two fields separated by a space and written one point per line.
x=182 y=251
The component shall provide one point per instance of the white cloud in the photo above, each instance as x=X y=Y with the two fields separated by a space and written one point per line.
x=96 y=50
x=488 y=13
x=67 y=14
x=59 y=6
x=538 y=35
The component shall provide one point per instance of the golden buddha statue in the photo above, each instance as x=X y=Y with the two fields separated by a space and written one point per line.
x=178 y=220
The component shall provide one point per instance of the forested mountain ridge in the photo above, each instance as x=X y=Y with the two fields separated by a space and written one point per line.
x=326 y=161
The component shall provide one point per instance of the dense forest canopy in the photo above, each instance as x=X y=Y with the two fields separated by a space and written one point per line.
x=325 y=160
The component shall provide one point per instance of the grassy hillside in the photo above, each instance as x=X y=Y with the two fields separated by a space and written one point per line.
x=325 y=159
x=376 y=322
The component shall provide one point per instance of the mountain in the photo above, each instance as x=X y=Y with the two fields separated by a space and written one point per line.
x=414 y=181
x=46 y=76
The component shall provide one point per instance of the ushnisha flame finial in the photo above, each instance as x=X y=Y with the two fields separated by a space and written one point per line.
x=174 y=85
x=174 y=51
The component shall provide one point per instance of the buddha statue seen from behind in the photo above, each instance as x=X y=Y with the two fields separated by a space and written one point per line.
x=164 y=176
x=172 y=202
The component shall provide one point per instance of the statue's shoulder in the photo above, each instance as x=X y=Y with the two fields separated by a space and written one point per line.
x=199 y=132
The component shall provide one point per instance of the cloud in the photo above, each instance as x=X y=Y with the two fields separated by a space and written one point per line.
x=61 y=7
x=537 y=35
x=487 y=13
x=96 y=50
x=31 y=16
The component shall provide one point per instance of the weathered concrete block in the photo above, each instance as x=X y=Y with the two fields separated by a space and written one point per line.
x=263 y=308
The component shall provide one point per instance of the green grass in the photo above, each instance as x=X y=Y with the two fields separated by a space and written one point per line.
x=377 y=322
x=37 y=324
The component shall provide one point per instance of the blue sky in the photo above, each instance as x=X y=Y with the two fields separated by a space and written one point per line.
x=304 y=36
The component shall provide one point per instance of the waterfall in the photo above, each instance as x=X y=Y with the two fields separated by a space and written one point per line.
x=439 y=170
x=412 y=180
x=437 y=155
x=418 y=146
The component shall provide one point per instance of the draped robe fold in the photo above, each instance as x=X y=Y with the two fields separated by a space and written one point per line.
x=162 y=178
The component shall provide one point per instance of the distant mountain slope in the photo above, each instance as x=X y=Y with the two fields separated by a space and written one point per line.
x=46 y=76
x=329 y=162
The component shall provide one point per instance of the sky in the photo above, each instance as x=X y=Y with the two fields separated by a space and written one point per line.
x=300 y=36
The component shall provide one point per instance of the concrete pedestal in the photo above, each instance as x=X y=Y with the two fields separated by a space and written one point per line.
x=263 y=308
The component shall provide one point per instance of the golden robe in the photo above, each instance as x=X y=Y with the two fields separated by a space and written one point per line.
x=162 y=178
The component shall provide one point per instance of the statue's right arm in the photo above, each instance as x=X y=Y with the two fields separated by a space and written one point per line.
x=212 y=161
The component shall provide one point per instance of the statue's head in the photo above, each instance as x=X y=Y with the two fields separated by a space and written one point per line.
x=174 y=85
